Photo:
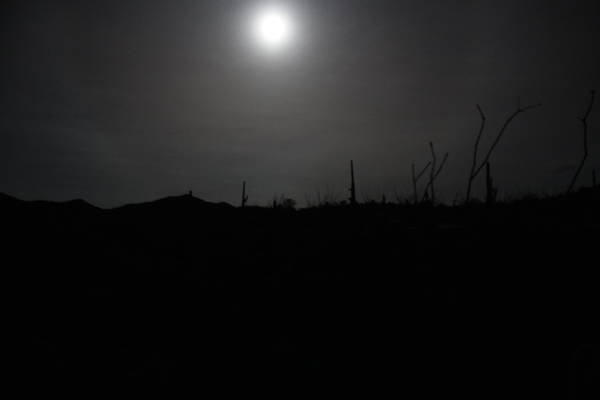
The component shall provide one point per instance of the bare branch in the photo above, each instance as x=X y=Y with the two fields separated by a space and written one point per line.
x=475 y=150
x=590 y=105
x=585 y=142
x=432 y=172
x=501 y=133
x=437 y=172
x=441 y=165
x=415 y=179
x=424 y=170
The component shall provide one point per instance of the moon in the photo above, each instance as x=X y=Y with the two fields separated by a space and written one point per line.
x=273 y=29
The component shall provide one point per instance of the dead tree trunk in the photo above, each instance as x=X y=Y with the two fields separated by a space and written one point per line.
x=352 y=184
x=585 y=142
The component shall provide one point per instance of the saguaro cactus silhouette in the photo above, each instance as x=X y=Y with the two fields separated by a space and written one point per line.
x=415 y=180
x=490 y=191
x=244 y=196
x=475 y=169
x=352 y=189
x=585 y=141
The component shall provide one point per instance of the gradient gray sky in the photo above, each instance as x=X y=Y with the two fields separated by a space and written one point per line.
x=131 y=100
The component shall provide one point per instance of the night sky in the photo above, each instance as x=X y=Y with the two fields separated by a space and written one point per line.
x=131 y=100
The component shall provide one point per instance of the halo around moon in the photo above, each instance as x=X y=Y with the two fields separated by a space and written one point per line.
x=273 y=28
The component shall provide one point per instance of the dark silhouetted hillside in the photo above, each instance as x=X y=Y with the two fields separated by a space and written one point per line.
x=478 y=301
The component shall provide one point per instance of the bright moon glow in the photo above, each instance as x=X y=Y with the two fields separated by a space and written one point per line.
x=273 y=29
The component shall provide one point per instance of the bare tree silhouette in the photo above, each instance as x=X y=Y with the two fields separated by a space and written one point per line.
x=433 y=174
x=585 y=141
x=475 y=150
x=415 y=180
x=475 y=168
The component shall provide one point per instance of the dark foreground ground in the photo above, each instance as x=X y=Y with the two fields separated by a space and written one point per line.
x=478 y=302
